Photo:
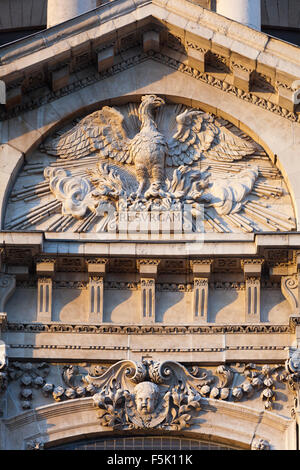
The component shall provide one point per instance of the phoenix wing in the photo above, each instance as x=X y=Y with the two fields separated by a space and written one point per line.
x=101 y=132
x=199 y=135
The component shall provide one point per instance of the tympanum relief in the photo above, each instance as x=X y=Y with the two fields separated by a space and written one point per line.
x=151 y=394
x=150 y=157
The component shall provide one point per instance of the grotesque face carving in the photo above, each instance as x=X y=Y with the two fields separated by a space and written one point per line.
x=146 y=397
x=295 y=361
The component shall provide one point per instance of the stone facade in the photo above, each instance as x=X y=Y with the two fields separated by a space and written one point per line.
x=149 y=238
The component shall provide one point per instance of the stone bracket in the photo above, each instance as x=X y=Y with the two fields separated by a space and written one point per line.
x=147 y=300
x=60 y=78
x=45 y=267
x=201 y=269
x=285 y=96
x=200 y=304
x=290 y=290
x=151 y=41
x=105 y=59
x=96 y=268
x=197 y=57
x=253 y=299
x=13 y=97
x=241 y=76
x=7 y=288
x=96 y=298
x=252 y=273
x=148 y=269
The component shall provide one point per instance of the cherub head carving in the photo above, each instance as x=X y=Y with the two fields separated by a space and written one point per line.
x=146 y=397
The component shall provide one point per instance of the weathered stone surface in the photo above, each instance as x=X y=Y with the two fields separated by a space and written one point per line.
x=104 y=318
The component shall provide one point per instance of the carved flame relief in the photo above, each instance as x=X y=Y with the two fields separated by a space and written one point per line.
x=152 y=157
x=147 y=395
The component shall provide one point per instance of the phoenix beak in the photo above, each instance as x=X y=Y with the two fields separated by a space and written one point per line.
x=159 y=102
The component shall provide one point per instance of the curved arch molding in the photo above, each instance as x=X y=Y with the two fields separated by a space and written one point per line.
x=228 y=423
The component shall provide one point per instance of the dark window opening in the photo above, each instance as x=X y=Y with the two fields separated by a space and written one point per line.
x=286 y=34
x=143 y=443
x=15 y=34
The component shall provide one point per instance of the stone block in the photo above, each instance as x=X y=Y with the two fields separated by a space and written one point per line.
x=196 y=58
x=105 y=59
x=148 y=268
x=60 y=78
x=13 y=97
x=241 y=76
x=252 y=268
x=151 y=41
x=285 y=97
x=201 y=268
x=97 y=266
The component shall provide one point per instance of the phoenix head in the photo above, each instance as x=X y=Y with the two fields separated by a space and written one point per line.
x=149 y=103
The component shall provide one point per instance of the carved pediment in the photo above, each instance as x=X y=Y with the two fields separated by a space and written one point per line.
x=150 y=166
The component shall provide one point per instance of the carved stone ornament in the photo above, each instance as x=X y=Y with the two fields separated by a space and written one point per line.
x=31 y=377
x=292 y=371
x=260 y=444
x=147 y=395
x=188 y=170
x=3 y=369
x=35 y=444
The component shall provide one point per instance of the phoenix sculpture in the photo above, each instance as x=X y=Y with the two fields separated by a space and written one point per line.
x=155 y=156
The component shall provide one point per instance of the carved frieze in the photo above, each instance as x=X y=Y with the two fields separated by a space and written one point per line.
x=151 y=394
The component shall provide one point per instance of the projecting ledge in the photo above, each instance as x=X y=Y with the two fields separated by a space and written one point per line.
x=187 y=344
x=216 y=244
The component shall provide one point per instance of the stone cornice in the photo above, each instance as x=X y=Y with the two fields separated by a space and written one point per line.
x=247 y=54
x=234 y=245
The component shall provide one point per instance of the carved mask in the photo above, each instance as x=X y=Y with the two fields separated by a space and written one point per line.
x=146 y=396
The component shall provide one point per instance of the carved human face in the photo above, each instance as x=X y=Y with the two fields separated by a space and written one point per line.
x=146 y=395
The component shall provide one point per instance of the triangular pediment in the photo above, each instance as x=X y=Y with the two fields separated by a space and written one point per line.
x=224 y=53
